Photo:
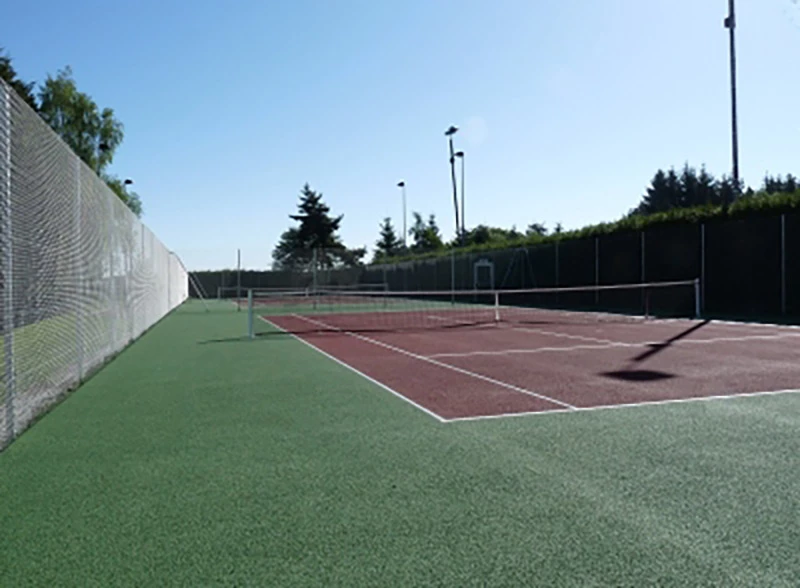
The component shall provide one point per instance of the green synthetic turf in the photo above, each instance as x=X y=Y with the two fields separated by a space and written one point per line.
x=198 y=458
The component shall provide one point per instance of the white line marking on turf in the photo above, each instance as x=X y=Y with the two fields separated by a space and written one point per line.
x=360 y=373
x=614 y=345
x=626 y=405
x=439 y=363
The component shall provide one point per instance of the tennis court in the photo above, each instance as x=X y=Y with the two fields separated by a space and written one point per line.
x=472 y=453
x=453 y=357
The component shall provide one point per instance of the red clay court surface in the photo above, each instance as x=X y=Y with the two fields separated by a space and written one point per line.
x=498 y=370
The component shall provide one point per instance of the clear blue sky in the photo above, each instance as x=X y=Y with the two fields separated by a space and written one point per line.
x=567 y=107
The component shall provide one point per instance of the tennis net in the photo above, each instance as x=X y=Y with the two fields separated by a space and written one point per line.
x=370 y=310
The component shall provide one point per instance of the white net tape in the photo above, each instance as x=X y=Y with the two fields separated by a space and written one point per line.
x=80 y=275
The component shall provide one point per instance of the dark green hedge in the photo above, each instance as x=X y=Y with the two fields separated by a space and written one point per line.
x=759 y=204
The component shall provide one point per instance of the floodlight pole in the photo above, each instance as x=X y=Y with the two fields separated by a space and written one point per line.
x=449 y=134
x=460 y=155
x=730 y=24
x=402 y=186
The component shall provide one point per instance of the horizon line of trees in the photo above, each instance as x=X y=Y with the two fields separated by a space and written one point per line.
x=94 y=134
x=669 y=190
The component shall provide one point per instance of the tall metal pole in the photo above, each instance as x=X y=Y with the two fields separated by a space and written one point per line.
x=449 y=133
x=460 y=155
x=730 y=24
x=402 y=186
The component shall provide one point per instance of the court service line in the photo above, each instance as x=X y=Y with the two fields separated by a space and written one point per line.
x=620 y=344
x=438 y=363
x=626 y=405
x=360 y=373
x=564 y=335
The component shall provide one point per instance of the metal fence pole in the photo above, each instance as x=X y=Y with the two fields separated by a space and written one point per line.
x=238 y=280
x=78 y=273
x=6 y=240
x=113 y=305
x=703 y=267
x=250 y=327
x=557 y=277
x=643 y=277
x=597 y=269
x=783 y=263
x=453 y=275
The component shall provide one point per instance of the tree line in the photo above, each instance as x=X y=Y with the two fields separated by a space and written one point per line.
x=668 y=193
x=690 y=188
x=94 y=134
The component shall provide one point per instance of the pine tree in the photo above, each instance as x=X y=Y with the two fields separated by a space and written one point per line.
x=388 y=245
x=726 y=191
x=704 y=190
x=316 y=235
x=317 y=228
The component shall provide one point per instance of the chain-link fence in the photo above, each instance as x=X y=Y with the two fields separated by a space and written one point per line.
x=748 y=268
x=80 y=275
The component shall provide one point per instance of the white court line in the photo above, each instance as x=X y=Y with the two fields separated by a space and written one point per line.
x=360 y=373
x=439 y=363
x=627 y=405
x=614 y=345
x=564 y=335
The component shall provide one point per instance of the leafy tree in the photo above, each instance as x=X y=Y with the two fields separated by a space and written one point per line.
x=483 y=234
x=426 y=236
x=388 y=244
x=93 y=134
x=559 y=228
x=316 y=232
x=9 y=75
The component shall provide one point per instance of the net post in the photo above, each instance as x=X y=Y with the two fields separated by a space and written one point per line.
x=697 y=298
x=250 y=311
x=6 y=263
x=496 y=306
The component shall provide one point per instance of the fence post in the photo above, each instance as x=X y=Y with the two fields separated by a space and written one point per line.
x=78 y=272
x=239 y=280
x=250 y=311
x=6 y=240
x=557 y=276
x=597 y=269
x=643 y=277
x=702 y=267
x=113 y=302
x=783 y=263
x=453 y=274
